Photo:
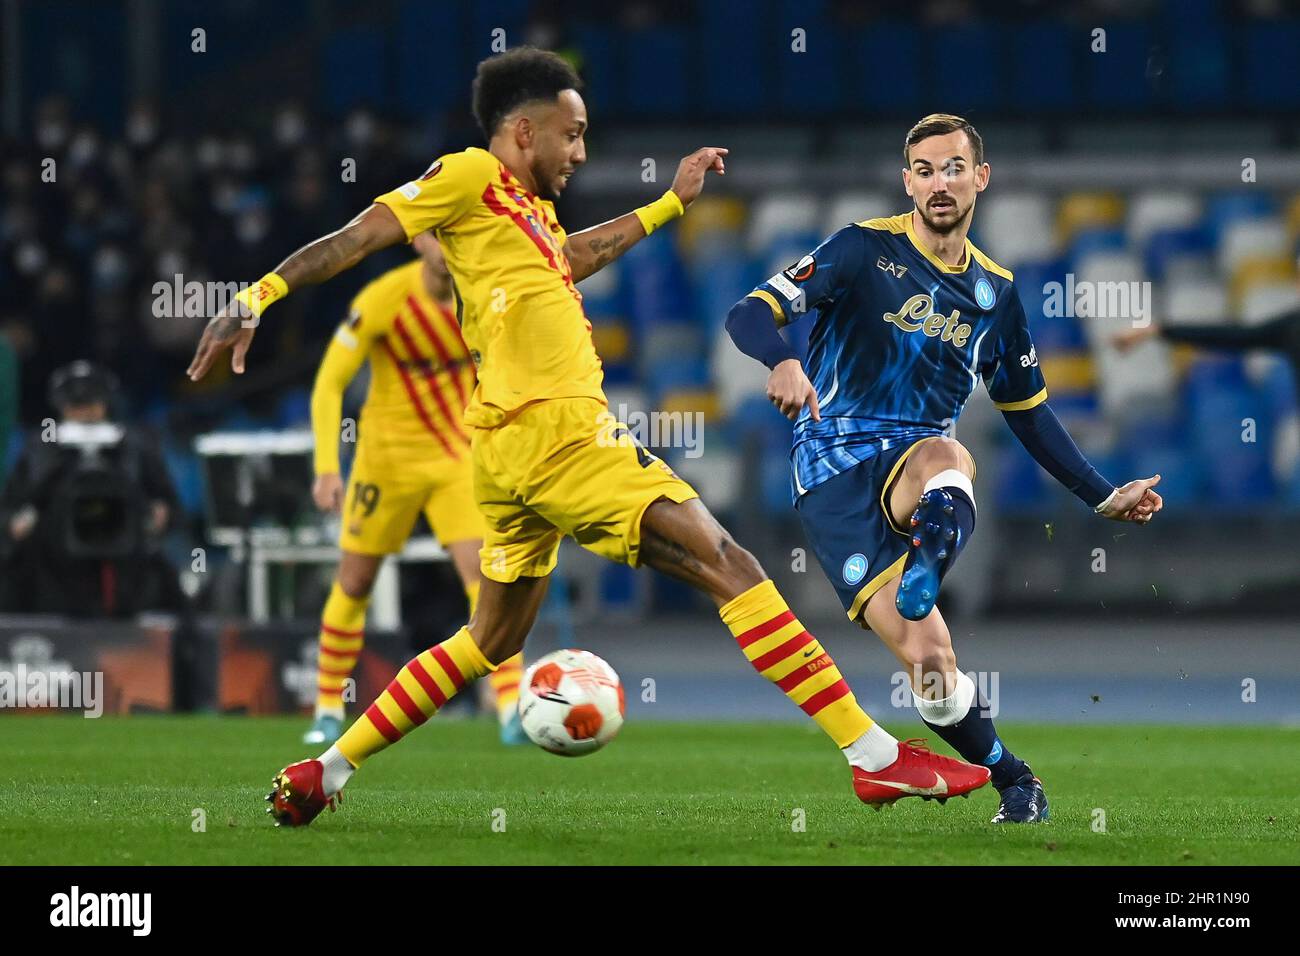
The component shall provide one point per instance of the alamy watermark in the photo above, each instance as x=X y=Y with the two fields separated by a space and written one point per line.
x=656 y=429
x=32 y=678
x=1098 y=300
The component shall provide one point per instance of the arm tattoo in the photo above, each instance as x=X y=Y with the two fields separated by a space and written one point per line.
x=605 y=251
x=322 y=259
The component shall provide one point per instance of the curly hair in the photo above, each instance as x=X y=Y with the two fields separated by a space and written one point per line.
x=521 y=75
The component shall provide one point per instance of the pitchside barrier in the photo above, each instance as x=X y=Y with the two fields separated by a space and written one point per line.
x=157 y=665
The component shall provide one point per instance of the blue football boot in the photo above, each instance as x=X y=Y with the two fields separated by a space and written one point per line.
x=1023 y=802
x=934 y=537
x=512 y=731
x=324 y=730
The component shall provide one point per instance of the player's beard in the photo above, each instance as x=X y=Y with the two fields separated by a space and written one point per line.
x=944 y=228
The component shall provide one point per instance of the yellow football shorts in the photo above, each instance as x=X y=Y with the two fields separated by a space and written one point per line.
x=564 y=467
x=387 y=491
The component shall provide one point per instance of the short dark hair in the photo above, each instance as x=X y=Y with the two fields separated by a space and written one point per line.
x=521 y=75
x=941 y=124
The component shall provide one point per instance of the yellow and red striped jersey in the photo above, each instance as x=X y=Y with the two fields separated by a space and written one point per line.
x=519 y=308
x=421 y=376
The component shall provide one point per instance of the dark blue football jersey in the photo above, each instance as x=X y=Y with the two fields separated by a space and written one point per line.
x=898 y=342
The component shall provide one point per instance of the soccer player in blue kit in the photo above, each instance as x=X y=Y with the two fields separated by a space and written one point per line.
x=908 y=314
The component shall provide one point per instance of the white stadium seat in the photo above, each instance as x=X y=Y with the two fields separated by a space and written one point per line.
x=1017 y=227
x=1149 y=212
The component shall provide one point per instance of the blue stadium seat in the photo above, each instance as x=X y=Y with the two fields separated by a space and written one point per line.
x=1087 y=241
x=1219 y=398
x=293 y=410
x=656 y=285
x=1167 y=244
x=1225 y=208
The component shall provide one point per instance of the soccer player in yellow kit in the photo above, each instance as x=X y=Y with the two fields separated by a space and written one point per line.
x=412 y=456
x=549 y=458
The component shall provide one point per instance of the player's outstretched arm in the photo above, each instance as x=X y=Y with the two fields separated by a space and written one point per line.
x=376 y=228
x=1046 y=439
x=592 y=249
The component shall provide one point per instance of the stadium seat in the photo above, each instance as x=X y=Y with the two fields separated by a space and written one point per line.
x=1292 y=217
x=1194 y=303
x=1223 y=209
x=738 y=377
x=1255 y=238
x=715 y=222
x=1151 y=212
x=850 y=207
x=1087 y=210
x=1275 y=273
x=1263 y=301
x=1093 y=240
x=780 y=214
x=1177 y=253
x=1220 y=399
x=1017 y=227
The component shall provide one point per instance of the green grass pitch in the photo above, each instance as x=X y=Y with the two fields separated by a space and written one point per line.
x=125 y=791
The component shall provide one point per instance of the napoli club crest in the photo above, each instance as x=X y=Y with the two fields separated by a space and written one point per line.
x=984 y=293
x=855 y=568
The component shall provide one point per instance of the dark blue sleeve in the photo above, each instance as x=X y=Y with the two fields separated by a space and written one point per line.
x=752 y=326
x=1046 y=439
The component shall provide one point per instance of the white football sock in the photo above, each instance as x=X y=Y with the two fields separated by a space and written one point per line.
x=335 y=770
x=951 y=709
x=952 y=478
x=874 y=750
x=335 y=712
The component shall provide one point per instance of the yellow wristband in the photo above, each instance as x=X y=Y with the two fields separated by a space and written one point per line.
x=255 y=298
x=660 y=212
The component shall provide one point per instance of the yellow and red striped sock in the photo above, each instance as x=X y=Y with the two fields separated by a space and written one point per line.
x=420 y=688
x=505 y=684
x=786 y=654
x=342 y=634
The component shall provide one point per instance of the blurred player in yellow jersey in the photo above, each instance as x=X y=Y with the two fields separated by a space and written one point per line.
x=549 y=458
x=412 y=456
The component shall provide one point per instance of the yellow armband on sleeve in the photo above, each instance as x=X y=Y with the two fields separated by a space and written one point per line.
x=255 y=298
x=660 y=212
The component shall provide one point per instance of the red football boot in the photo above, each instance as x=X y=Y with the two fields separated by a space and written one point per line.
x=918 y=772
x=298 y=794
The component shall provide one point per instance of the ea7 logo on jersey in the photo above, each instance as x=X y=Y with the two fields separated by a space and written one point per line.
x=885 y=265
x=802 y=270
x=1030 y=360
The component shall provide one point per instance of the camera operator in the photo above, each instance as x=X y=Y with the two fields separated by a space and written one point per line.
x=83 y=514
